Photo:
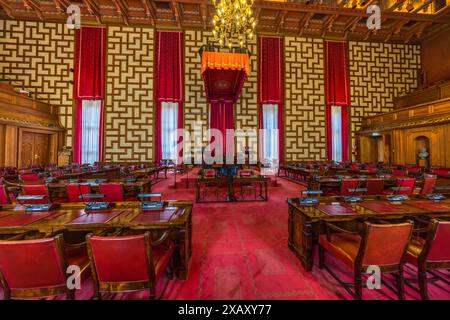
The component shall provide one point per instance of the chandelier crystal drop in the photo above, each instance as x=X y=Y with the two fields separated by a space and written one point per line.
x=234 y=23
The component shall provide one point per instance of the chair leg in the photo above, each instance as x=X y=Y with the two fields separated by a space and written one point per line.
x=152 y=291
x=423 y=284
x=97 y=295
x=400 y=285
x=321 y=257
x=358 y=285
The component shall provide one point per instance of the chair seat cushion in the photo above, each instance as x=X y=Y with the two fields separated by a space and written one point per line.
x=161 y=257
x=343 y=246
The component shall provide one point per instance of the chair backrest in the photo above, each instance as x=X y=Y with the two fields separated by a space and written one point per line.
x=33 y=265
x=73 y=192
x=113 y=192
x=35 y=190
x=439 y=248
x=385 y=244
x=4 y=199
x=129 y=253
x=428 y=185
x=347 y=184
x=30 y=177
x=408 y=184
x=399 y=173
x=374 y=187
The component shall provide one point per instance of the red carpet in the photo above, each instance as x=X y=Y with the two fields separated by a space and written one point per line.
x=240 y=252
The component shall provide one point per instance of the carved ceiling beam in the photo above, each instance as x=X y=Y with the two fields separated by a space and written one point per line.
x=32 y=4
x=149 y=11
x=396 y=5
x=61 y=5
x=7 y=8
x=395 y=29
x=204 y=14
x=280 y=21
x=176 y=13
x=417 y=31
x=122 y=9
x=423 y=5
x=93 y=9
x=328 y=24
x=304 y=22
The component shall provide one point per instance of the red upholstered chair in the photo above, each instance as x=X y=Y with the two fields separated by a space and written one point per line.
x=383 y=245
x=113 y=192
x=73 y=192
x=128 y=263
x=374 y=187
x=431 y=252
x=35 y=190
x=347 y=186
x=406 y=183
x=428 y=185
x=30 y=177
x=4 y=199
x=246 y=186
x=37 y=268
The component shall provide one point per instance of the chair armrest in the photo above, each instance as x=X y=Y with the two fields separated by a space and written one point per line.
x=333 y=227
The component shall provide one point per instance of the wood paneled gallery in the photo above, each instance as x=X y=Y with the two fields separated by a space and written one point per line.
x=30 y=131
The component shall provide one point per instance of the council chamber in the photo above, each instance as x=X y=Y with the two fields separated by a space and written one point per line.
x=225 y=149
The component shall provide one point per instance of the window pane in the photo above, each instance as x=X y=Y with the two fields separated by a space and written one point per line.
x=169 y=126
x=336 y=133
x=270 y=136
x=90 y=131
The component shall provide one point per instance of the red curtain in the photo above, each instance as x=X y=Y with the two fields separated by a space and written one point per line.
x=169 y=78
x=89 y=77
x=337 y=90
x=271 y=81
x=221 y=117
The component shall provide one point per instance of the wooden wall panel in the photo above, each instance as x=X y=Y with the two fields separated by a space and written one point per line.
x=129 y=94
x=305 y=136
x=435 y=58
x=38 y=56
x=379 y=72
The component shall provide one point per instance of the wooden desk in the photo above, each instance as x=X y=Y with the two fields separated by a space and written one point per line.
x=230 y=182
x=111 y=173
x=304 y=223
x=176 y=218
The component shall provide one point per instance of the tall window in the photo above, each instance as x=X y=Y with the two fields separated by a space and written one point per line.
x=336 y=133
x=270 y=147
x=169 y=126
x=91 y=113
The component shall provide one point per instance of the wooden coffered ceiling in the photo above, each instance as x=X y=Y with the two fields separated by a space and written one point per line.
x=334 y=19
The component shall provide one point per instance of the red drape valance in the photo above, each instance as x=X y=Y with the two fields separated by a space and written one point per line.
x=337 y=87
x=169 y=71
x=169 y=79
x=337 y=81
x=271 y=82
x=271 y=71
x=89 y=78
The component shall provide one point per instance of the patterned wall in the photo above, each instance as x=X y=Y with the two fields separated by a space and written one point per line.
x=379 y=72
x=129 y=90
x=305 y=99
x=196 y=107
x=38 y=56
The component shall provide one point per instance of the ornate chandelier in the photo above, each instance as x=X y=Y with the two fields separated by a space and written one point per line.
x=233 y=22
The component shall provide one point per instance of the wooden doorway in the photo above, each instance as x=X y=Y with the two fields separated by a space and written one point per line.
x=34 y=149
